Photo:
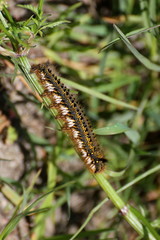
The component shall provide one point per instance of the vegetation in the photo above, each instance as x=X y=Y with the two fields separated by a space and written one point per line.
x=109 y=54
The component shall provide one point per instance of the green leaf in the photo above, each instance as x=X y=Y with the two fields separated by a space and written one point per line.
x=54 y=24
x=145 y=223
x=40 y=7
x=30 y=7
x=129 y=35
x=117 y=128
x=14 y=221
x=97 y=94
x=147 y=63
x=111 y=130
x=7 y=32
x=133 y=135
x=116 y=174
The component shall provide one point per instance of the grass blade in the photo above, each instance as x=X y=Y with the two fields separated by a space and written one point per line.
x=99 y=95
x=147 y=63
x=129 y=35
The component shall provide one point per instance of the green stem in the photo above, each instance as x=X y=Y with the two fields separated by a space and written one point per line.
x=120 y=205
x=24 y=67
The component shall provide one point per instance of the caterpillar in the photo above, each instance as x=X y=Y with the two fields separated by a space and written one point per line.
x=76 y=124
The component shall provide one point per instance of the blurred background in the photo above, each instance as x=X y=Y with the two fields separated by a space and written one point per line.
x=36 y=156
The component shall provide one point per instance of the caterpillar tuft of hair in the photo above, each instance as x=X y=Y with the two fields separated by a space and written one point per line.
x=76 y=124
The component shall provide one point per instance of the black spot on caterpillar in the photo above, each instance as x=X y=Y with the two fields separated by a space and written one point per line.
x=76 y=124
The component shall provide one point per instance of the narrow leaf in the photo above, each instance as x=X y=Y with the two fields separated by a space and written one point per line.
x=97 y=94
x=111 y=130
x=129 y=35
x=147 y=63
x=30 y=7
x=54 y=24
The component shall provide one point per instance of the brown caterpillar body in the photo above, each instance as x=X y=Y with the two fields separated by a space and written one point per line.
x=76 y=125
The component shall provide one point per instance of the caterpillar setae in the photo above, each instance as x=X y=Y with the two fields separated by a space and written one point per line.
x=76 y=124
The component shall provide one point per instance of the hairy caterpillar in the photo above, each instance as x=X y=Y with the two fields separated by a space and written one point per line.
x=76 y=125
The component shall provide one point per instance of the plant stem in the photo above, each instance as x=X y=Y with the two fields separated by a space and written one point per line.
x=120 y=205
x=24 y=67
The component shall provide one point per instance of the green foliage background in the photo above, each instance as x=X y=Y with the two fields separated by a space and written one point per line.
x=114 y=70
